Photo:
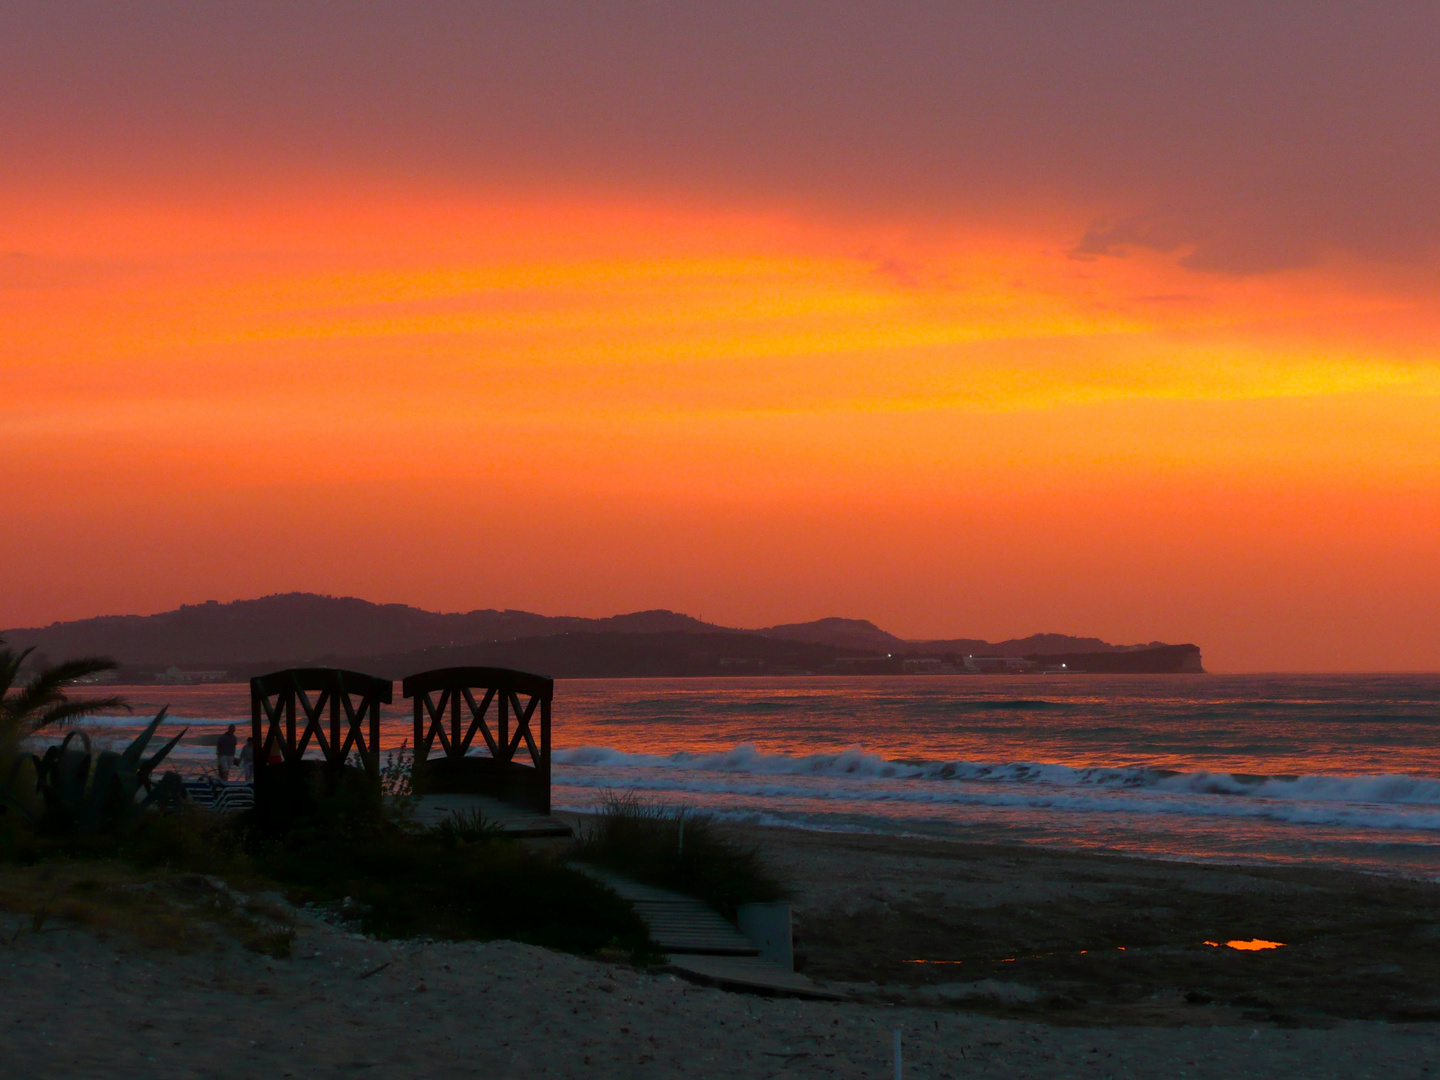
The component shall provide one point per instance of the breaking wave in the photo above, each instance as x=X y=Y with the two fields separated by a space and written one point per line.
x=857 y=778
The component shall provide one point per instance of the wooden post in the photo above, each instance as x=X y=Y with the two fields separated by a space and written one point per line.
x=333 y=757
x=544 y=766
x=502 y=740
x=373 y=765
x=417 y=758
x=455 y=736
x=256 y=710
x=290 y=696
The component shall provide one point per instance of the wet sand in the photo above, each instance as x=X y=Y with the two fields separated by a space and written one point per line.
x=82 y=1002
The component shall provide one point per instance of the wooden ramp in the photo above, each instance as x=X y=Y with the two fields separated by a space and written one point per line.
x=703 y=946
x=431 y=811
x=679 y=923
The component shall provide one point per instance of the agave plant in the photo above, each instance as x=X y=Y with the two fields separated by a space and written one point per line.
x=91 y=792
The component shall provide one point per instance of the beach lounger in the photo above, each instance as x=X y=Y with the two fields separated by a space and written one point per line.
x=221 y=798
x=233 y=798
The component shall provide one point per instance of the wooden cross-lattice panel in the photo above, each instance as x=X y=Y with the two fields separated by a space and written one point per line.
x=455 y=705
x=343 y=715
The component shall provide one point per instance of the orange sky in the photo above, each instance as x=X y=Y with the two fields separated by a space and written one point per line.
x=585 y=396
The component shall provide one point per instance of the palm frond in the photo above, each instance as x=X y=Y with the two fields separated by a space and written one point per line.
x=10 y=663
x=47 y=690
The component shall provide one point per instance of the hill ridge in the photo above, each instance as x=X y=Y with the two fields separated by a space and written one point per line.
x=293 y=627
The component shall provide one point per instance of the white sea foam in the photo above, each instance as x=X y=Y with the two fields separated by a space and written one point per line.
x=138 y=721
x=855 y=762
x=892 y=799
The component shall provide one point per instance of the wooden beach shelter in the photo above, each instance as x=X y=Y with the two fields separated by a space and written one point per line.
x=454 y=705
x=339 y=711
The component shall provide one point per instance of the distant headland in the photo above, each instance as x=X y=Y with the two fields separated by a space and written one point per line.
x=229 y=642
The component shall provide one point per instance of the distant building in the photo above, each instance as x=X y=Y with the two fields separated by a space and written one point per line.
x=178 y=675
x=927 y=665
x=998 y=665
x=868 y=665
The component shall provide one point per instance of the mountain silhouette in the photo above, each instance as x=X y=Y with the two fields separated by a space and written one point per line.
x=288 y=629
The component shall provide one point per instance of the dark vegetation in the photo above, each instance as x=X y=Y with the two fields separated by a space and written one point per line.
x=91 y=792
x=96 y=839
x=71 y=788
x=462 y=881
x=41 y=702
x=675 y=848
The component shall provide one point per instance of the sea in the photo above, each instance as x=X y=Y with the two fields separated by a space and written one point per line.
x=1281 y=769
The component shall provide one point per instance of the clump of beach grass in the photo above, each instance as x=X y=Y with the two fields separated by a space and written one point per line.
x=467 y=826
x=674 y=847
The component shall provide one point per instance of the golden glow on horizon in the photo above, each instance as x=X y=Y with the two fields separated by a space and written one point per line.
x=606 y=353
x=698 y=321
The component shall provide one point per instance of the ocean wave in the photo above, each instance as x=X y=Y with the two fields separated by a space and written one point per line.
x=1396 y=789
x=138 y=720
x=905 y=800
x=1007 y=705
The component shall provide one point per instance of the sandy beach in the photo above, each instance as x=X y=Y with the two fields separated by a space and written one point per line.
x=92 y=1001
x=1088 y=938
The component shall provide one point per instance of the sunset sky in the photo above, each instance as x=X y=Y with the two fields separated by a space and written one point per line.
x=1118 y=320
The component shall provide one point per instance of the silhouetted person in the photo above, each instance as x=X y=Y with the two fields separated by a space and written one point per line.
x=225 y=753
x=247 y=759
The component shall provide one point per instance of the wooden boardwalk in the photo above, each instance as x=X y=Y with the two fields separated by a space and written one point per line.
x=702 y=946
x=431 y=811
x=679 y=923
